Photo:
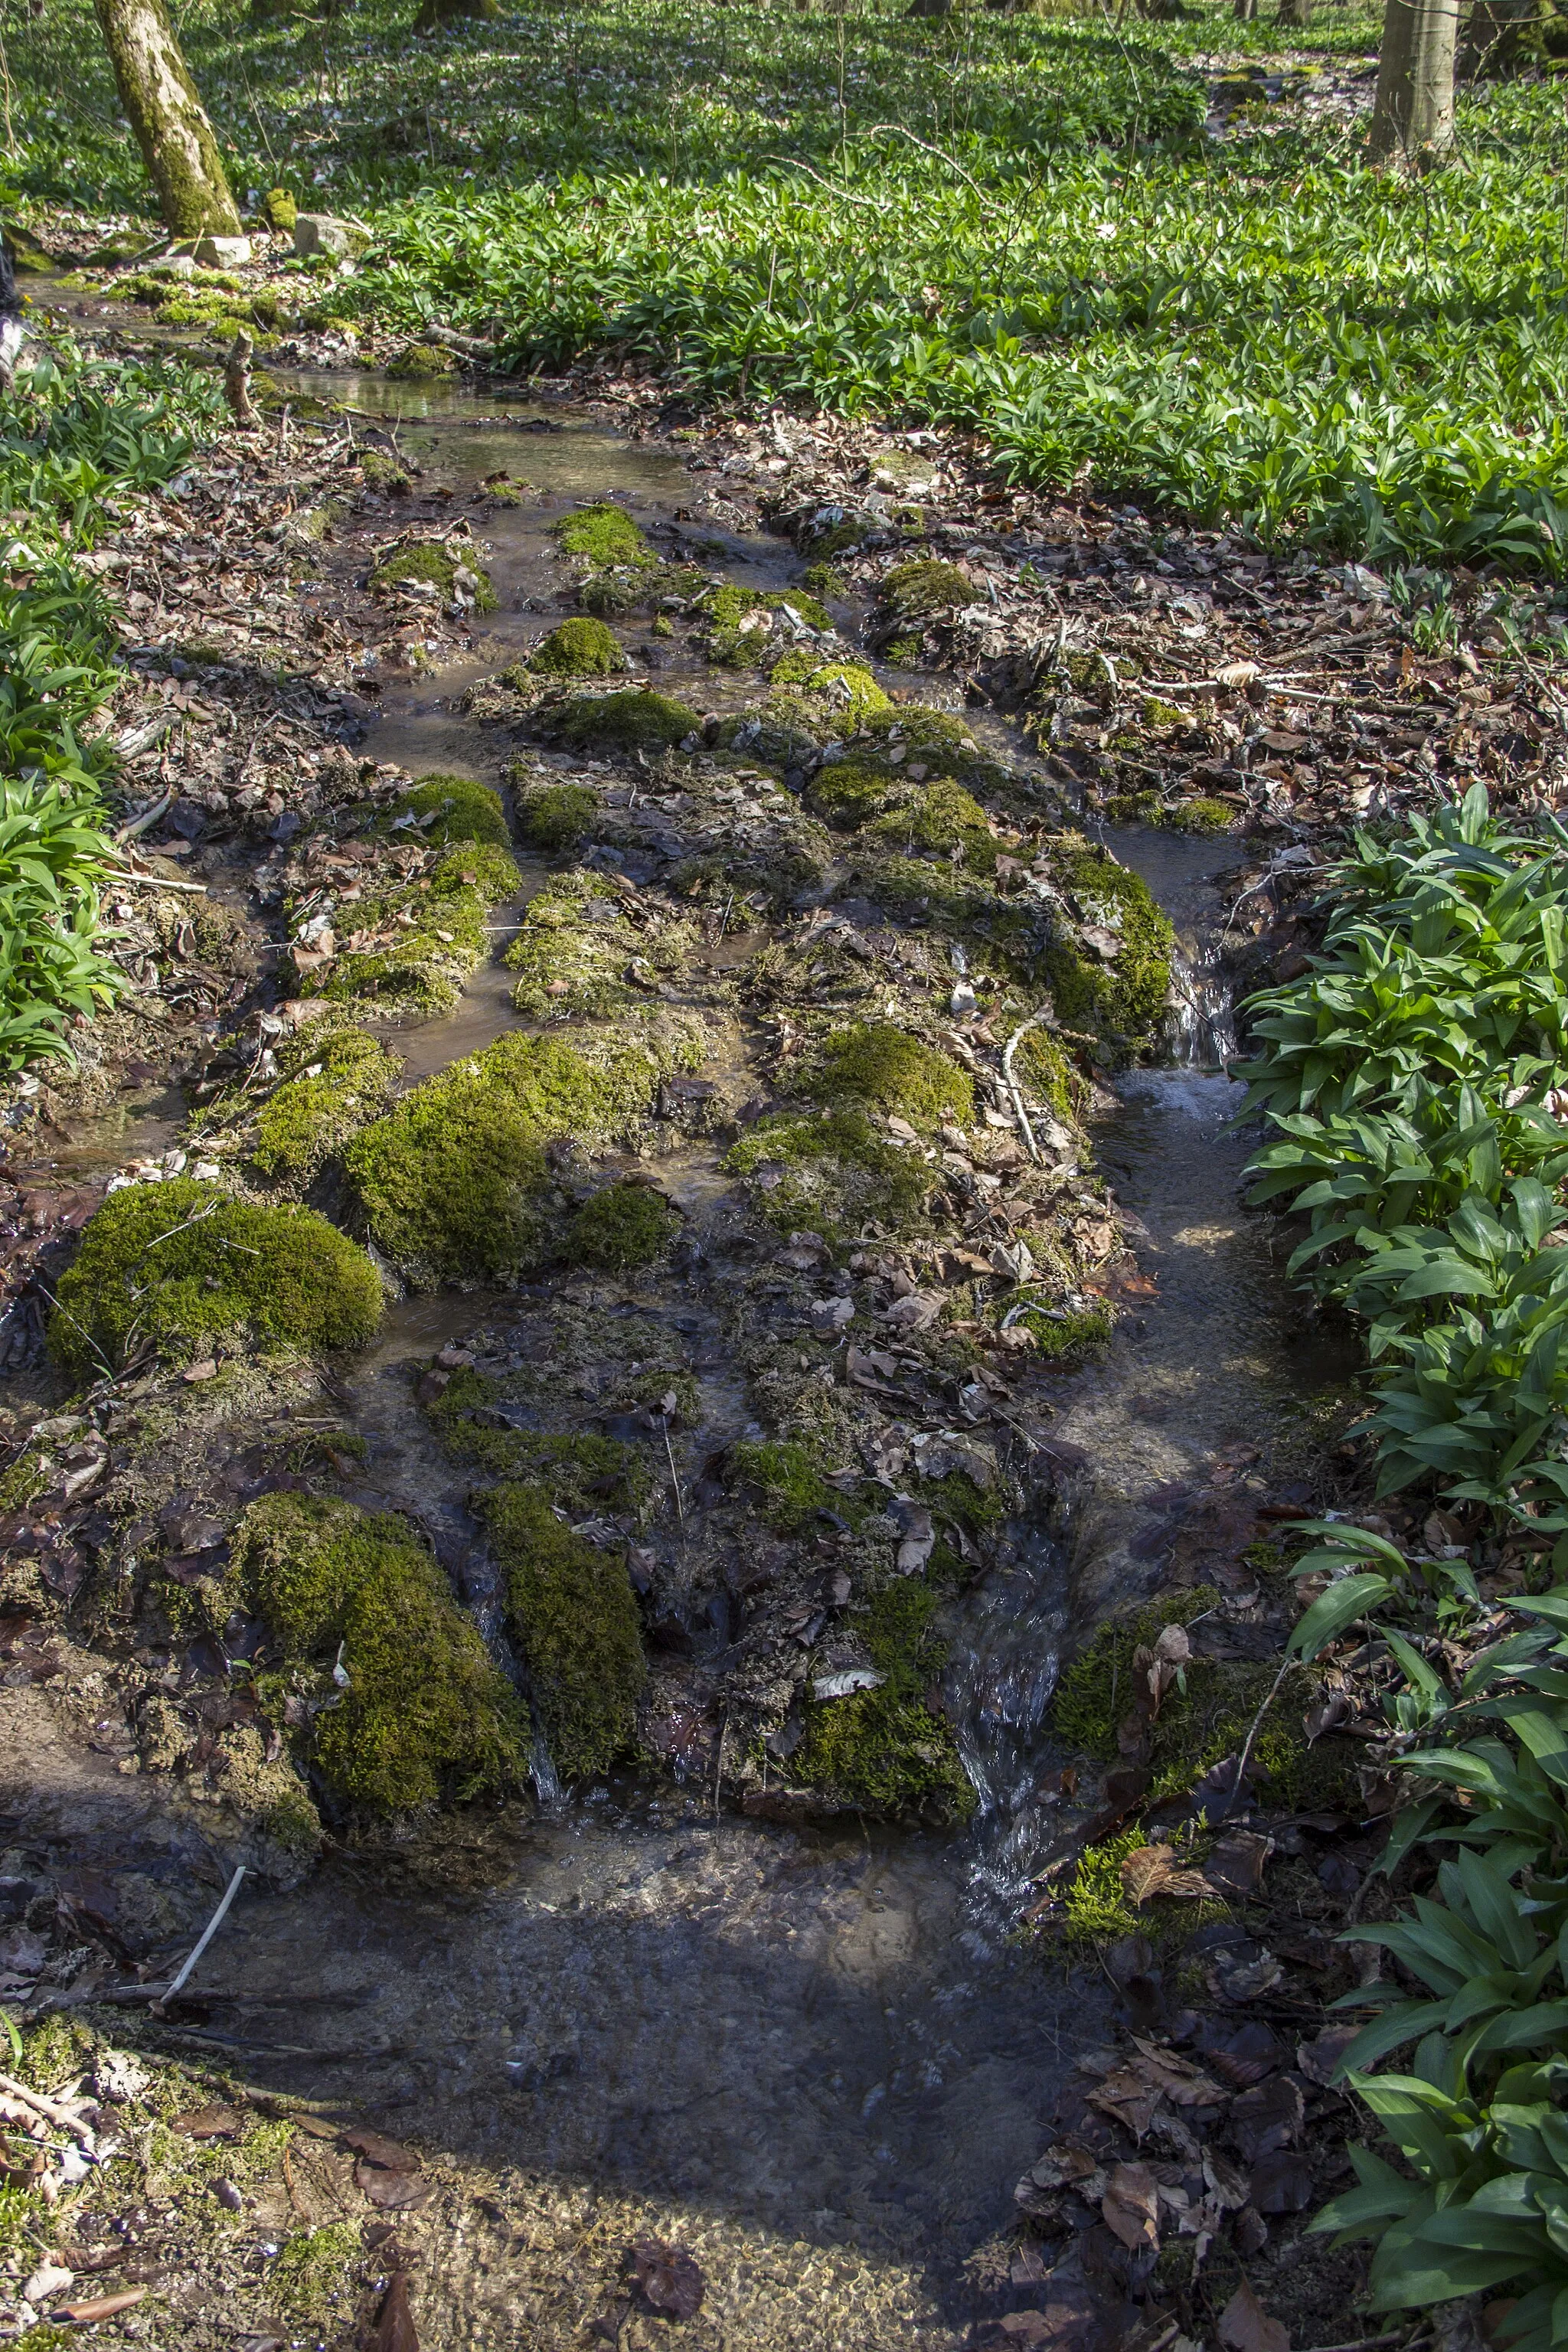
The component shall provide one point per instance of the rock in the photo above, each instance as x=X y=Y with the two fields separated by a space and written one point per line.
x=170 y=265
x=340 y=240
x=223 y=252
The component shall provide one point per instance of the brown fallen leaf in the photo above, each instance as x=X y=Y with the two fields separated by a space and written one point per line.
x=669 y=2277
x=1150 y=1870
x=376 y=2148
x=1318 y=2058
x=1268 y=2116
x=1245 y=2326
x=395 y=2330
x=1225 y=2181
x=1131 y=2207
x=1184 y=2084
x=391 y=2192
x=1128 y=2098
x=209 y=2123
x=1239 y=2054
x=103 y=2307
x=1281 y=2183
x=1234 y=1865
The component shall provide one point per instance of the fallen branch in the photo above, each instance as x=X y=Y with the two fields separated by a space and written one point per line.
x=214 y=1924
x=63 y=2118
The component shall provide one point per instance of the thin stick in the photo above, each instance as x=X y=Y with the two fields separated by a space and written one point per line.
x=1242 y=1760
x=152 y=881
x=1033 y=1021
x=214 y=1924
x=673 y=1474
x=148 y=817
x=50 y=2110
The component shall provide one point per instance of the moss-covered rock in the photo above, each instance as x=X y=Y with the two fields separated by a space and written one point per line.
x=419 y=936
x=280 y=211
x=831 y=1172
x=425 y=1714
x=740 y=631
x=576 y=1468
x=880 y=1064
x=182 y=1268
x=624 y=1226
x=604 y=536
x=382 y=472
x=333 y=1081
x=941 y=818
x=843 y=694
x=454 y=808
x=578 y=648
x=553 y=817
x=576 y=951
x=882 y=1751
x=938 y=740
x=433 y=561
x=790 y=1488
x=572 y=1612
x=452 y=1182
x=415 y=360
x=1201 y=815
x=1063 y=1334
x=1124 y=993
x=848 y=793
x=636 y=719
x=923 y=586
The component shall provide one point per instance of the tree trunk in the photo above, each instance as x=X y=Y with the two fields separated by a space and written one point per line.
x=434 y=14
x=1297 y=14
x=1413 y=118
x=170 y=121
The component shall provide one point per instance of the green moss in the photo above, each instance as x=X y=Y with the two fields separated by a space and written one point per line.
x=280 y=211
x=845 y=693
x=823 y=580
x=636 y=719
x=1095 y=1905
x=905 y=652
x=923 y=586
x=1202 y=816
x=624 y=1226
x=553 y=817
x=576 y=1468
x=567 y=961
x=434 y=926
x=941 y=818
x=436 y=563
x=44 y=2337
x=382 y=472
x=831 y=1172
x=315 y=2270
x=605 y=536
x=792 y=1487
x=883 y=1751
x=848 y=794
x=936 y=740
x=334 y=1081
x=1126 y=997
x=1094 y=1694
x=1156 y=713
x=729 y=609
x=1061 y=1333
x=451 y=1181
x=880 y=1064
x=1045 y=1071
x=424 y=360
x=21 y=1481
x=838 y=539
x=425 y=1714
x=462 y=809
x=578 y=648
x=574 y=1617
x=178 y=1268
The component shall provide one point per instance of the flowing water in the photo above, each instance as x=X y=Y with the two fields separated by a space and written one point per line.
x=813 y=2053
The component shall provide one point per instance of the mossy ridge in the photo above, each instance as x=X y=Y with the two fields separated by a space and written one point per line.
x=316 y=2269
x=619 y=1228
x=603 y=536
x=574 y=949
x=883 y=1751
x=578 y=648
x=383 y=473
x=433 y=561
x=848 y=793
x=426 y=1715
x=939 y=817
x=332 y=1083
x=554 y=818
x=934 y=738
x=452 y=808
x=576 y=1468
x=182 y=1268
x=422 y=935
x=791 y=1488
x=921 y=586
x=739 y=634
x=1124 y=998
x=572 y=1612
x=843 y=693
x=423 y=360
x=832 y=1171
x=453 y=1180
x=635 y=719
x=1047 y=1071
x=1064 y=1335
x=876 y=1062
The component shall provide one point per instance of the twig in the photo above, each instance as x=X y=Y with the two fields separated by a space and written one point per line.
x=214 y=1924
x=845 y=195
x=50 y=2110
x=154 y=881
x=673 y=1474
x=1033 y=1021
x=1242 y=1760
x=941 y=156
x=148 y=817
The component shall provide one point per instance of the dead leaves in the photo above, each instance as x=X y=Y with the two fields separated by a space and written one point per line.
x=670 y=2278
x=386 y=2172
x=395 y=2330
x=1245 y=2326
x=1130 y=2208
x=1233 y=1868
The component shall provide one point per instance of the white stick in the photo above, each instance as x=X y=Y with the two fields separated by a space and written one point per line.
x=214 y=1924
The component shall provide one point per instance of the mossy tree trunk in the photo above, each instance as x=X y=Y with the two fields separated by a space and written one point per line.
x=1413 y=121
x=170 y=121
x=434 y=14
x=1298 y=14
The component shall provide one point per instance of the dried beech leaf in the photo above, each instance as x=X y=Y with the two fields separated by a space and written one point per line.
x=395 y=2330
x=209 y=2123
x=1184 y=2084
x=1267 y=2117
x=376 y=2148
x=1245 y=2326
x=1131 y=2207
x=670 y=2278
x=1236 y=1864
x=391 y=2192
x=1281 y=2183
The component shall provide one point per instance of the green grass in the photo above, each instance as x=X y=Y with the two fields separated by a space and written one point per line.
x=1263 y=330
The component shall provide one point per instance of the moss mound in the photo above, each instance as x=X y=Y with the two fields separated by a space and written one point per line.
x=573 y=1614
x=423 y=935
x=436 y=564
x=575 y=953
x=883 y=1751
x=624 y=1226
x=877 y=1063
x=604 y=536
x=334 y=1081
x=452 y=1180
x=791 y=1488
x=848 y=794
x=280 y=211
x=382 y=472
x=1125 y=995
x=636 y=719
x=182 y=1268
x=578 y=648
x=935 y=740
x=426 y=1713
x=941 y=818
x=741 y=631
x=461 y=810
x=923 y=586
x=831 y=1172
x=846 y=692
x=553 y=817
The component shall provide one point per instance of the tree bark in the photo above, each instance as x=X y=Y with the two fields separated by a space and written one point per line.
x=1298 y=14
x=170 y=121
x=1413 y=121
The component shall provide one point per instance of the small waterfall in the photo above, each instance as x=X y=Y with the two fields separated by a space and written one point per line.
x=1200 y=1017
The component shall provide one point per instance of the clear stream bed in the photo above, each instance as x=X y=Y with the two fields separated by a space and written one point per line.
x=815 y=2056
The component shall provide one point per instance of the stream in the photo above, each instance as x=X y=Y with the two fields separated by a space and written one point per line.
x=813 y=2054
